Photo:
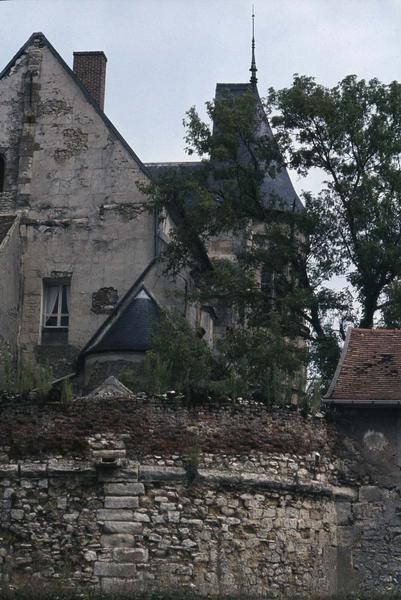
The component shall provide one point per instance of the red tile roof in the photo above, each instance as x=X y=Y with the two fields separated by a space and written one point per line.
x=369 y=369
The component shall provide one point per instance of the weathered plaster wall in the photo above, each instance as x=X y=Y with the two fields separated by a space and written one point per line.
x=10 y=256
x=77 y=187
x=82 y=217
x=369 y=527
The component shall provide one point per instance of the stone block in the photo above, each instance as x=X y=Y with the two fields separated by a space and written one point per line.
x=61 y=502
x=17 y=514
x=33 y=470
x=151 y=473
x=130 y=555
x=117 y=587
x=345 y=493
x=110 y=514
x=121 y=502
x=344 y=514
x=370 y=493
x=346 y=536
x=117 y=540
x=127 y=474
x=141 y=517
x=109 y=569
x=122 y=527
x=8 y=471
x=100 y=456
x=61 y=467
x=167 y=506
x=124 y=489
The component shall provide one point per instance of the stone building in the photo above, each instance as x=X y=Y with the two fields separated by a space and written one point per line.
x=364 y=402
x=78 y=256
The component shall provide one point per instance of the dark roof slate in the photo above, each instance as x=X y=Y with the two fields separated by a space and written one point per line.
x=131 y=331
x=369 y=370
x=278 y=191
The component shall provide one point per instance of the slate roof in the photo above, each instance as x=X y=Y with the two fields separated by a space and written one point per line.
x=369 y=370
x=131 y=331
x=278 y=192
x=5 y=226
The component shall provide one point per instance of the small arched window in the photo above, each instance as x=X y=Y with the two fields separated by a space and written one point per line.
x=2 y=172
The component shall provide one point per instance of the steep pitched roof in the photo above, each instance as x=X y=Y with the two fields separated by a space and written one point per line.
x=114 y=315
x=131 y=331
x=278 y=192
x=369 y=370
x=45 y=43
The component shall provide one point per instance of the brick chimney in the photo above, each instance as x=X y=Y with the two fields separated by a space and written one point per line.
x=91 y=69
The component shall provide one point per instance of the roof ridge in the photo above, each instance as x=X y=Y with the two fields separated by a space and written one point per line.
x=376 y=329
x=84 y=90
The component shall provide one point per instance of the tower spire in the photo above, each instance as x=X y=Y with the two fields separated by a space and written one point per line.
x=253 y=68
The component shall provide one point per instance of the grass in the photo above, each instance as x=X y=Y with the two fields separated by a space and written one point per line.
x=39 y=592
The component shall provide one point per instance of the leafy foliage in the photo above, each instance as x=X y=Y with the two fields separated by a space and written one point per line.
x=179 y=360
x=352 y=134
x=25 y=378
x=280 y=264
x=220 y=201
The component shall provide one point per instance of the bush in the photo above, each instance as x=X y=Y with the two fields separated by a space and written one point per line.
x=24 y=378
x=179 y=360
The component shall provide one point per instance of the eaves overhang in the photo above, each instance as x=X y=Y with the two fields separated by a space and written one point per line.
x=364 y=403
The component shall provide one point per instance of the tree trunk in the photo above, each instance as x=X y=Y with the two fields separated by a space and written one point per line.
x=369 y=309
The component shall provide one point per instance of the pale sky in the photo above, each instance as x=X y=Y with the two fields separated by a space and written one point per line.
x=167 y=55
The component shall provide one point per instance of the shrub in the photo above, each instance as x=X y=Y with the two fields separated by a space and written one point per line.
x=179 y=360
x=24 y=378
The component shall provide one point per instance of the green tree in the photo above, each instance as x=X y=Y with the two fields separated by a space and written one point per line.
x=222 y=198
x=352 y=134
x=350 y=230
x=179 y=360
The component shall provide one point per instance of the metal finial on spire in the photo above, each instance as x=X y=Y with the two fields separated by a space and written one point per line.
x=253 y=68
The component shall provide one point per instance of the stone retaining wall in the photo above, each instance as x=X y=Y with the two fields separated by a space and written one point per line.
x=148 y=525
x=130 y=493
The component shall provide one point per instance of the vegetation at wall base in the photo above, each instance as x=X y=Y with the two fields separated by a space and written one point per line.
x=52 y=592
x=242 y=367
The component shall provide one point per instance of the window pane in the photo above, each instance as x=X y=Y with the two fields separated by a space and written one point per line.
x=51 y=297
x=64 y=303
x=55 y=305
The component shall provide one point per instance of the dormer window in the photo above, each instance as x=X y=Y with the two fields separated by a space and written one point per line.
x=2 y=172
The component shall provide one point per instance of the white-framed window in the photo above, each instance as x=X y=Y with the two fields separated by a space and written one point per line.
x=56 y=302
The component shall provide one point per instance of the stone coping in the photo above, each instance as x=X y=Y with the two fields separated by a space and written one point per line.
x=134 y=471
